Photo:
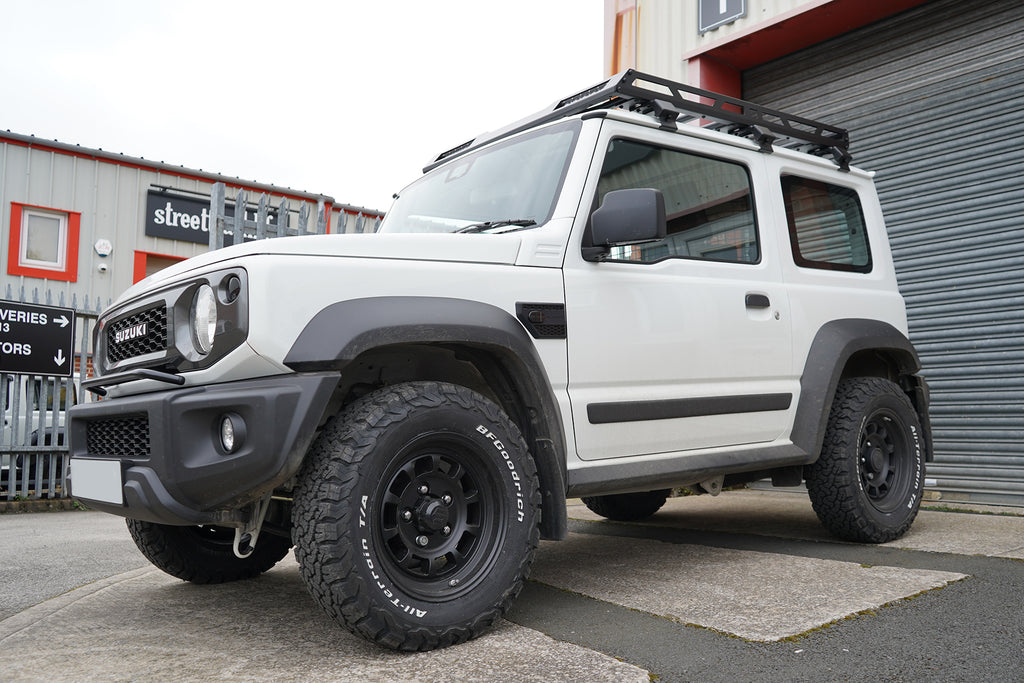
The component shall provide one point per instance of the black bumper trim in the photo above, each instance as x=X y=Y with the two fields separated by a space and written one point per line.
x=187 y=478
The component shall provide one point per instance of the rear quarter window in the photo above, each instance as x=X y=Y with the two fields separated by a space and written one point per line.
x=826 y=225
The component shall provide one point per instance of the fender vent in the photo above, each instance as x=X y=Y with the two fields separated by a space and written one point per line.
x=543 y=321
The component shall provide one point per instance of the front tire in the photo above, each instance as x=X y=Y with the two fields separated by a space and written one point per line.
x=416 y=516
x=867 y=484
x=204 y=554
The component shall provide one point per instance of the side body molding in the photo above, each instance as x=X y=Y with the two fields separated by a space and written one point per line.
x=835 y=344
x=341 y=332
x=841 y=348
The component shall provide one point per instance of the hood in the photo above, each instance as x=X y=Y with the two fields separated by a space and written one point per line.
x=473 y=248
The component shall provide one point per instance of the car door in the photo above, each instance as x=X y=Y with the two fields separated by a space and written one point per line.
x=684 y=343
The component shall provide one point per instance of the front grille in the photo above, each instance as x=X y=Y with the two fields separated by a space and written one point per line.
x=119 y=437
x=138 y=334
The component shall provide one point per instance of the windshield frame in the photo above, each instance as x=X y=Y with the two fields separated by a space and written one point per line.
x=397 y=219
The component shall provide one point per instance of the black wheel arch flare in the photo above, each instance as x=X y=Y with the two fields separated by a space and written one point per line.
x=833 y=353
x=343 y=331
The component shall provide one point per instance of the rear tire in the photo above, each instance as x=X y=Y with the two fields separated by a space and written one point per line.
x=627 y=507
x=416 y=516
x=867 y=484
x=204 y=554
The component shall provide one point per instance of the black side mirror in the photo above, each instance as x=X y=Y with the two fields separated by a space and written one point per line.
x=633 y=216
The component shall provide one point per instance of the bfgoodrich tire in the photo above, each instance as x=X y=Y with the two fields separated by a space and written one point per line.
x=867 y=484
x=416 y=516
x=204 y=554
x=627 y=507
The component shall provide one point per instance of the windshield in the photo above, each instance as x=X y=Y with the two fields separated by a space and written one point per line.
x=510 y=186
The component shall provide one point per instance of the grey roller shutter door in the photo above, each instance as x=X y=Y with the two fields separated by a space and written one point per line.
x=934 y=101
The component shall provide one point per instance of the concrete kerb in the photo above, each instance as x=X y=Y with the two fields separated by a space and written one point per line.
x=39 y=505
x=964 y=529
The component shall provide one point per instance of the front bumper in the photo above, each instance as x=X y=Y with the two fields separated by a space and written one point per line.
x=173 y=468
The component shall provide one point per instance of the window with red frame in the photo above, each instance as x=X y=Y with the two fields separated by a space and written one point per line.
x=43 y=243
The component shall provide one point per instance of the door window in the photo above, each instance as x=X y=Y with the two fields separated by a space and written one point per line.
x=708 y=203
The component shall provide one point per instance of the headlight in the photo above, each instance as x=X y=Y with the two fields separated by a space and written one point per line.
x=204 y=318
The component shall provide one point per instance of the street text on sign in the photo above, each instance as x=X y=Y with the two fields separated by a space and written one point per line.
x=36 y=340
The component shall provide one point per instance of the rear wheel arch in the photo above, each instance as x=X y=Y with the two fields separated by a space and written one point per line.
x=848 y=348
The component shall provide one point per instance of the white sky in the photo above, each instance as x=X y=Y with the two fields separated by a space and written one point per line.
x=344 y=98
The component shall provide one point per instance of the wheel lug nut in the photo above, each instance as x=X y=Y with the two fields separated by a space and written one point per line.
x=447 y=531
x=422 y=541
x=423 y=489
x=407 y=515
x=446 y=499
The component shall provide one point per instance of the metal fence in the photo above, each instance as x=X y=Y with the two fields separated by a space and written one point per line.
x=270 y=222
x=34 y=444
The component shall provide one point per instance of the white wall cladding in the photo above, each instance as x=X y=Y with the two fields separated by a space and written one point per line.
x=934 y=101
x=110 y=191
x=668 y=28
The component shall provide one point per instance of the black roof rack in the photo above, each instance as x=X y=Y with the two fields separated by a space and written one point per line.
x=668 y=102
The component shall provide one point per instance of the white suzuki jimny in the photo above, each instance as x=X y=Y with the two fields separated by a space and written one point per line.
x=604 y=300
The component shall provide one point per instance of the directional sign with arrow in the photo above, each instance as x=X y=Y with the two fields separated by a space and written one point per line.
x=36 y=340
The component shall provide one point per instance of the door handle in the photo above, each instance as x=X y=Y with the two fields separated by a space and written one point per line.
x=758 y=301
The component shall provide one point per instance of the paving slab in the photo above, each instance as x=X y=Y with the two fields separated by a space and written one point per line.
x=788 y=514
x=144 y=625
x=754 y=595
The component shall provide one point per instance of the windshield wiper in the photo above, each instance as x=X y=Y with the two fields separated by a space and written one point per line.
x=487 y=225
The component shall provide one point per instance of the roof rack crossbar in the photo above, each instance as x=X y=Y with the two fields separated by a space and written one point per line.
x=669 y=101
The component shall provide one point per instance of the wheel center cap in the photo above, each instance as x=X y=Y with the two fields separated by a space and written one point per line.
x=876 y=460
x=432 y=515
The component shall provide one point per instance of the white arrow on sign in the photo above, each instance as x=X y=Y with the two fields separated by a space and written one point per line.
x=62 y=320
x=59 y=358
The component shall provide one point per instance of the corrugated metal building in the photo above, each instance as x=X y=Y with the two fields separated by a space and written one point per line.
x=81 y=225
x=932 y=93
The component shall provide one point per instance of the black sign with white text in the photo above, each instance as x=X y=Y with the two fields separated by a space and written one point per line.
x=184 y=218
x=36 y=340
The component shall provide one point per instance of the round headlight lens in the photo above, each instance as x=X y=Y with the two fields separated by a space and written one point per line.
x=204 y=318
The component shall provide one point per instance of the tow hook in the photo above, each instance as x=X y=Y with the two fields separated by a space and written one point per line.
x=246 y=536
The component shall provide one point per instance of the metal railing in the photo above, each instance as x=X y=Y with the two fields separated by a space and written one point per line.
x=226 y=230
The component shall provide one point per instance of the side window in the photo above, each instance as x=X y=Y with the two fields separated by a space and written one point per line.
x=707 y=201
x=826 y=225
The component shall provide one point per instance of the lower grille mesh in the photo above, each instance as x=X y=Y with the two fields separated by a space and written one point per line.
x=120 y=437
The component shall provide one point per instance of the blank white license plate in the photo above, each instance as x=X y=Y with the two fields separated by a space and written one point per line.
x=99 y=480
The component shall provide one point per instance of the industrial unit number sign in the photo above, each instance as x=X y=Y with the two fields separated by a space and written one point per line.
x=36 y=340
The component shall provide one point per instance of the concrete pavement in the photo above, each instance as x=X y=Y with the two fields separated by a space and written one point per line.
x=739 y=573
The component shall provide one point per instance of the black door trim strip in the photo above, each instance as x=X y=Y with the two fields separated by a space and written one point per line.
x=638 y=411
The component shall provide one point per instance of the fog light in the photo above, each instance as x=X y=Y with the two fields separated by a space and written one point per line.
x=232 y=432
